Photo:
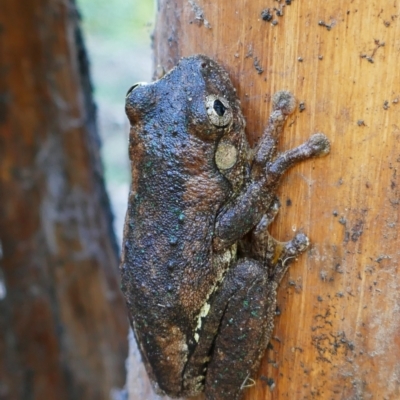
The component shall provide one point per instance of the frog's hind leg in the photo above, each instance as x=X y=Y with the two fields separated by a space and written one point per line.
x=275 y=257
x=241 y=304
x=238 y=324
x=255 y=244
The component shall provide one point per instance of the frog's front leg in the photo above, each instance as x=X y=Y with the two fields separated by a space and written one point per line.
x=244 y=211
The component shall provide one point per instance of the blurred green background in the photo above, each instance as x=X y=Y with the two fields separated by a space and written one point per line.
x=118 y=40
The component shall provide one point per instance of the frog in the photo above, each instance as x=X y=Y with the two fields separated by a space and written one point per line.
x=199 y=270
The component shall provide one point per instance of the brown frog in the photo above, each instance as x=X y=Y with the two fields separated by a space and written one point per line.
x=199 y=270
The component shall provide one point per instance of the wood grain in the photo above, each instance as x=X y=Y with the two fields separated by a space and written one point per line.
x=338 y=333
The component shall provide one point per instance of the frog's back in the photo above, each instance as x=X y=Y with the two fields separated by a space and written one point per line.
x=167 y=268
x=173 y=203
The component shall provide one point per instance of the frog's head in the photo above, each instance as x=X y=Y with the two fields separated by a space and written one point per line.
x=197 y=97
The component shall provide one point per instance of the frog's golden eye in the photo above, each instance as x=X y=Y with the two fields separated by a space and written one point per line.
x=218 y=110
x=132 y=88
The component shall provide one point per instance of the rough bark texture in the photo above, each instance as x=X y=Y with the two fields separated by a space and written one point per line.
x=337 y=335
x=63 y=322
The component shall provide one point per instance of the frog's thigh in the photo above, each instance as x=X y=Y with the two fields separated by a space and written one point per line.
x=240 y=341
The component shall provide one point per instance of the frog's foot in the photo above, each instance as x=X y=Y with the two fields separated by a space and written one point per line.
x=275 y=255
x=285 y=253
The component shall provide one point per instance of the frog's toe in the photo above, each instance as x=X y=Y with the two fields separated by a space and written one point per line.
x=284 y=101
x=297 y=245
x=320 y=144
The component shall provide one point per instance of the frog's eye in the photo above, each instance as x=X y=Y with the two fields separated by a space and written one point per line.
x=135 y=86
x=218 y=110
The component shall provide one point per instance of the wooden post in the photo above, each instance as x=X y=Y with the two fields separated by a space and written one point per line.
x=63 y=322
x=337 y=335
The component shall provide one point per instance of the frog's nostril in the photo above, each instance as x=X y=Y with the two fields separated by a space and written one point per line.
x=135 y=86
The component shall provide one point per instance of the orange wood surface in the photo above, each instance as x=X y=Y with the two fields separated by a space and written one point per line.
x=338 y=333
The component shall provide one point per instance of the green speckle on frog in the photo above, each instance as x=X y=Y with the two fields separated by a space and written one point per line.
x=202 y=298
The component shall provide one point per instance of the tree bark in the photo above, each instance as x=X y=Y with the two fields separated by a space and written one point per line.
x=63 y=322
x=337 y=335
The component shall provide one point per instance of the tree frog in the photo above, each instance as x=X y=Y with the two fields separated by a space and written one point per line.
x=199 y=269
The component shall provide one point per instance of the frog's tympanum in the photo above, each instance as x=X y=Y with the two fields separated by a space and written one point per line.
x=199 y=270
